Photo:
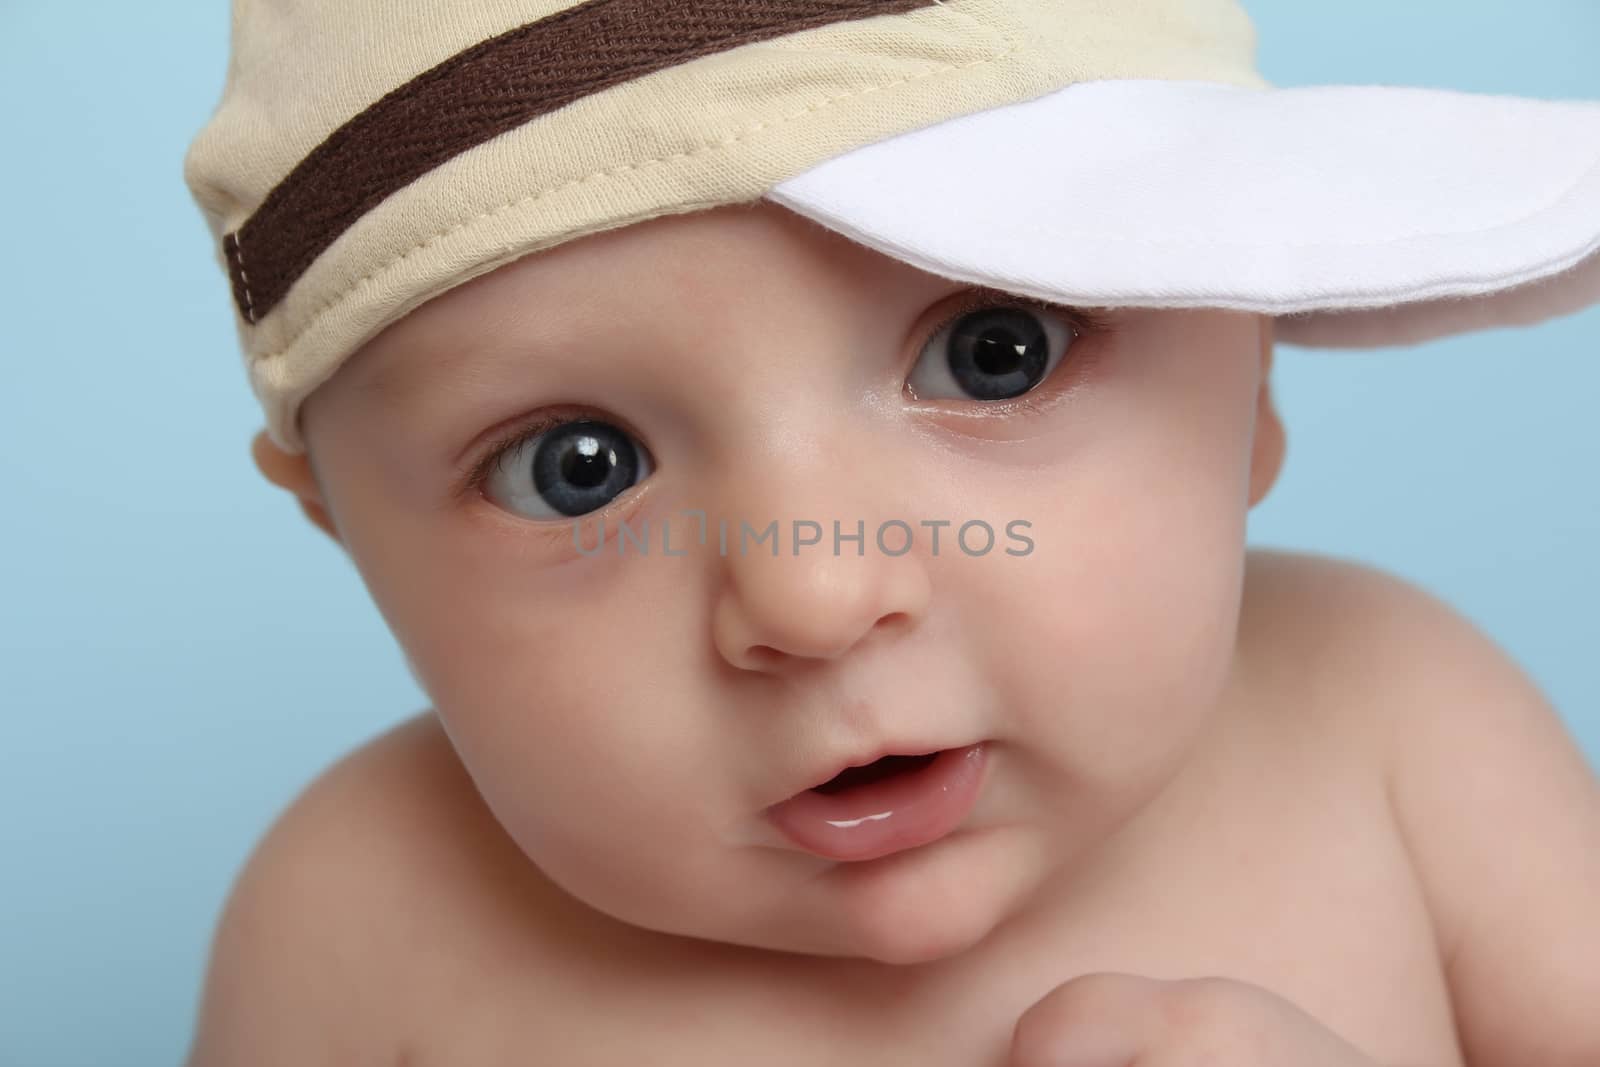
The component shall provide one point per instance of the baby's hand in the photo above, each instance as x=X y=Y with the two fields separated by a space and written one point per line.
x=1121 y=1020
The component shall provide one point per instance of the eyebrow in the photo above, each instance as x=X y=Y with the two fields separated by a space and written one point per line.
x=417 y=370
x=397 y=382
x=387 y=385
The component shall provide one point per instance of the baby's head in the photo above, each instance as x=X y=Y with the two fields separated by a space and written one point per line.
x=915 y=355
x=630 y=715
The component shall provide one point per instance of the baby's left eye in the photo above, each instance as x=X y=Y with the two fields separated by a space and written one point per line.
x=991 y=354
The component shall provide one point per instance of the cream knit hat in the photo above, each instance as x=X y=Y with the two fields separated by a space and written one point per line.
x=367 y=155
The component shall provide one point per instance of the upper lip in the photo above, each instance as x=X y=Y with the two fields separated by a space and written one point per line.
x=837 y=767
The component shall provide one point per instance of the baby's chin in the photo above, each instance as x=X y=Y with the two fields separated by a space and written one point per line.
x=927 y=905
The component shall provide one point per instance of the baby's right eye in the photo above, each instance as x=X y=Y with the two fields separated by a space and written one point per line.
x=565 y=471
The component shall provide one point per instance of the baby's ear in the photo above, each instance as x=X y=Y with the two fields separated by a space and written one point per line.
x=294 y=473
x=1266 y=458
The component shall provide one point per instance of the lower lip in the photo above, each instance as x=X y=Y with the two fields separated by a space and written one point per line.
x=898 y=813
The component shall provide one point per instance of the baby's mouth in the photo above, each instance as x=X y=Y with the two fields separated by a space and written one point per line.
x=876 y=771
x=894 y=803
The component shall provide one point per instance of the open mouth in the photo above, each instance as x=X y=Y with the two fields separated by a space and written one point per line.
x=876 y=771
x=889 y=805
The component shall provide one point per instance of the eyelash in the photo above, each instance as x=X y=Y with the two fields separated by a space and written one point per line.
x=1085 y=324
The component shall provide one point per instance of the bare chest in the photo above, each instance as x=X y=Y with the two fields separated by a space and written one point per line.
x=1291 y=881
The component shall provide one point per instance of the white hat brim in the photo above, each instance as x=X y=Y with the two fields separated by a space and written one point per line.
x=1358 y=215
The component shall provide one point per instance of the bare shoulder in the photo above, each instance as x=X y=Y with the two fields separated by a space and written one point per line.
x=384 y=860
x=1371 y=648
x=1346 y=643
x=1497 y=807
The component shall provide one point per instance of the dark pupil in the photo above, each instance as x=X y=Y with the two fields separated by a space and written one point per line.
x=999 y=353
x=583 y=466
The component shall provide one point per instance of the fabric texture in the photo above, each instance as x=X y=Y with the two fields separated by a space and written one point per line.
x=719 y=129
x=1359 y=215
x=475 y=95
x=377 y=153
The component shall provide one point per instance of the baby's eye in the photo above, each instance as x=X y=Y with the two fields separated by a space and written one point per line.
x=991 y=354
x=566 y=471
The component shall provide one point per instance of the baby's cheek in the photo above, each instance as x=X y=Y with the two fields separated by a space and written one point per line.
x=1122 y=630
x=577 y=721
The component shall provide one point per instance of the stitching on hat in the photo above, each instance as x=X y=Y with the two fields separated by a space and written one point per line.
x=496 y=86
x=237 y=277
x=244 y=279
x=1015 y=47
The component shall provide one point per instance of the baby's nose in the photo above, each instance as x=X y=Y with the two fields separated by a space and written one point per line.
x=815 y=563
x=781 y=612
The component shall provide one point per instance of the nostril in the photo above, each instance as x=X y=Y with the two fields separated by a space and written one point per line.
x=894 y=618
x=764 y=655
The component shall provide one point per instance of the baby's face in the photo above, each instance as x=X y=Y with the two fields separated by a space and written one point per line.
x=630 y=716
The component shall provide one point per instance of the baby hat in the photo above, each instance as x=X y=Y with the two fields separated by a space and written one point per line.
x=367 y=155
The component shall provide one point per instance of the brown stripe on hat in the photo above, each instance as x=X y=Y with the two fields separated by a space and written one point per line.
x=482 y=92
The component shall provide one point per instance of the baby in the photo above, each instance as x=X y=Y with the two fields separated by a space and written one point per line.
x=840 y=634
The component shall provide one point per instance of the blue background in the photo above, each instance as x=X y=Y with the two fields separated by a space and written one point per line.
x=180 y=651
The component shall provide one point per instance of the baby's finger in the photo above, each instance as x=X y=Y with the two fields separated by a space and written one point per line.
x=1095 y=1020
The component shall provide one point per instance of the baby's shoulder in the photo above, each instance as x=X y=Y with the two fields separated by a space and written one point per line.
x=387 y=860
x=1364 y=634
x=1490 y=793
x=1297 y=604
x=1347 y=645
